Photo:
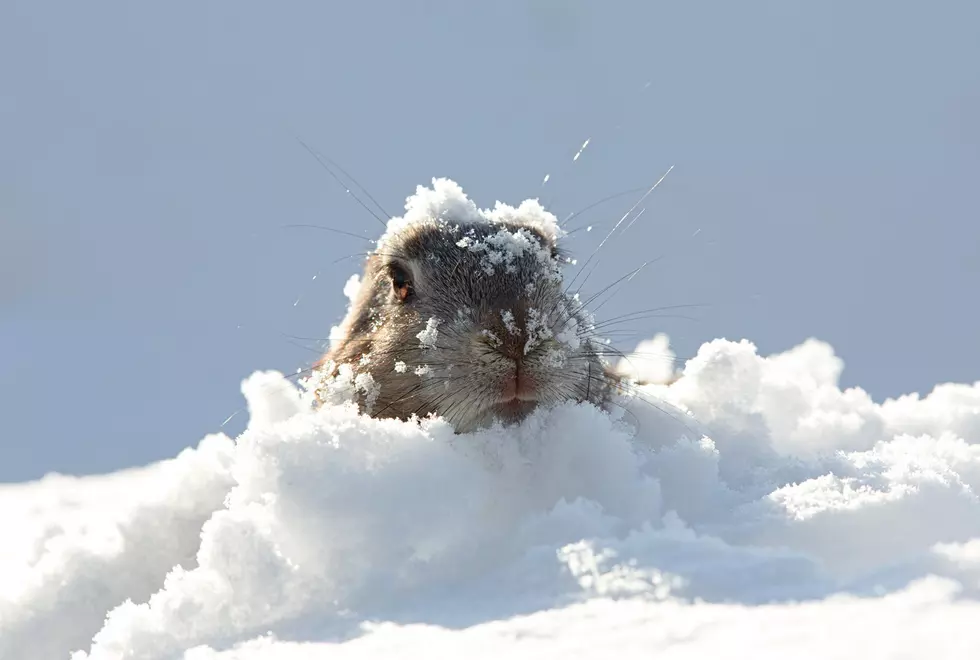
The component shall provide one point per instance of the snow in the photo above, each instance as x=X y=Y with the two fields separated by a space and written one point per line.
x=75 y=547
x=445 y=204
x=750 y=507
x=568 y=335
x=351 y=289
x=504 y=248
x=509 y=322
x=651 y=361
x=752 y=504
x=428 y=337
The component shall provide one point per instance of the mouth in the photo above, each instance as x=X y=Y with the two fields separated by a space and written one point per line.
x=514 y=409
x=517 y=398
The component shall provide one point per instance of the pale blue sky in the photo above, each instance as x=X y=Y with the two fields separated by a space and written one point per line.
x=829 y=153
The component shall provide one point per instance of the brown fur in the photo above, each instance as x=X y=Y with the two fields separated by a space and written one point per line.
x=478 y=350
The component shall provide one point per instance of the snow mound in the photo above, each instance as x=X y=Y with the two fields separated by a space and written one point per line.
x=751 y=503
x=75 y=547
x=651 y=362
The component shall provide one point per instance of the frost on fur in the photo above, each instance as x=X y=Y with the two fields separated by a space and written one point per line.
x=341 y=388
x=429 y=336
x=505 y=248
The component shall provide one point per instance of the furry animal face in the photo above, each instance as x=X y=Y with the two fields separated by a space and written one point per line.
x=469 y=321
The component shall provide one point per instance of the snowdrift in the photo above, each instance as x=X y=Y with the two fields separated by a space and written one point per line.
x=750 y=509
x=782 y=516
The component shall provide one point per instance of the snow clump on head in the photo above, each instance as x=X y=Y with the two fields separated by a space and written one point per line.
x=446 y=204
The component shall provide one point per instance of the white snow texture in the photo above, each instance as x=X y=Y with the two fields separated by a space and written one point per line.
x=750 y=509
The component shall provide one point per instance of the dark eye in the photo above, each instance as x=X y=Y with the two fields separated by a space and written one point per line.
x=401 y=284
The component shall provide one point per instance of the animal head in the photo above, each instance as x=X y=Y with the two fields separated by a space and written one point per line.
x=465 y=315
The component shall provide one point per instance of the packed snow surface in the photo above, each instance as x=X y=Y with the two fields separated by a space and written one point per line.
x=750 y=509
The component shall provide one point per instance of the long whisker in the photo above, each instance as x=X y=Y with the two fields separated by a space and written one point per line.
x=336 y=178
x=645 y=313
x=607 y=198
x=625 y=215
x=331 y=229
x=602 y=327
x=360 y=187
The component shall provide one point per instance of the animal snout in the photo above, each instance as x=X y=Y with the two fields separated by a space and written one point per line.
x=507 y=335
x=512 y=348
x=518 y=332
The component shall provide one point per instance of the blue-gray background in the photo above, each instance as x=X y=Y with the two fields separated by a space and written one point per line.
x=828 y=152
